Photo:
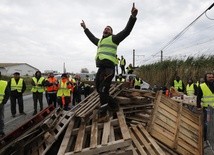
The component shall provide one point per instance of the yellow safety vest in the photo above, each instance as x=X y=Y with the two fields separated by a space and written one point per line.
x=16 y=86
x=40 y=89
x=63 y=90
x=107 y=50
x=137 y=82
x=208 y=96
x=122 y=80
x=122 y=61
x=178 y=84
x=3 y=85
x=190 y=89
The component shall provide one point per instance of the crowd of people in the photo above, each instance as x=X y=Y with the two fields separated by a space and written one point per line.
x=65 y=92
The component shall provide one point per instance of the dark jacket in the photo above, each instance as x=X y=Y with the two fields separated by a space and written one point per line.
x=115 y=38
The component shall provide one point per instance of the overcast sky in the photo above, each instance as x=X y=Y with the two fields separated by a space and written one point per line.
x=47 y=33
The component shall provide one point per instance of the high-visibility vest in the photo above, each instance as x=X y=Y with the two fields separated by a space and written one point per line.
x=107 y=50
x=122 y=80
x=63 y=89
x=208 y=96
x=190 y=89
x=178 y=84
x=36 y=88
x=54 y=86
x=3 y=85
x=16 y=86
x=122 y=61
x=137 y=82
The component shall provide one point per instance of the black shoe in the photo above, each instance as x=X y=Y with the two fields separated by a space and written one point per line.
x=23 y=113
x=13 y=115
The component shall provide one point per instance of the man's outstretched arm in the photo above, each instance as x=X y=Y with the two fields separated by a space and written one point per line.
x=88 y=33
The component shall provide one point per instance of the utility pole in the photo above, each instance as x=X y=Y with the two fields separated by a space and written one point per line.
x=161 y=55
x=133 y=57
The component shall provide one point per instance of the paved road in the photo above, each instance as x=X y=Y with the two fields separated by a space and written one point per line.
x=12 y=123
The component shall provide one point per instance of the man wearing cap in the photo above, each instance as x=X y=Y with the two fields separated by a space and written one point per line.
x=17 y=87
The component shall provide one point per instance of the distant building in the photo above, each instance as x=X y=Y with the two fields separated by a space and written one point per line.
x=23 y=68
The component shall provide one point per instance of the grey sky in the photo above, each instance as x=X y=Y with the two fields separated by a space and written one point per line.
x=47 y=33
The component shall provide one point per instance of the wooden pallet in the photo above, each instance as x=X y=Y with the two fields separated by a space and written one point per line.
x=52 y=129
x=143 y=143
x=176 y=127
x=92 y=138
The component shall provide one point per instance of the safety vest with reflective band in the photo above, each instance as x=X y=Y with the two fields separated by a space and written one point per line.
x=208 y=96
x=190 y=89
x=54 y=87
x=16 y=86
x=3 y=85
x=122 y=61
x=107 y=50
x=117 y=61
x=122 y=80
x=178 y=84
x=137 y=82
x=63 y=89
x=35 y=88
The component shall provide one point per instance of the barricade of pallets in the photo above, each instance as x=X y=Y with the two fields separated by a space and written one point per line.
x=92 y=138
x=176 y=127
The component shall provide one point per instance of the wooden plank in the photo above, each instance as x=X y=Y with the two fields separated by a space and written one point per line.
x=151 y=140
x=66 y=138
x=106 y=133
x=80 y=137
x=101 y=149
x=170 y=111
x=112 y=135
x=123 y=125
x=94 y=131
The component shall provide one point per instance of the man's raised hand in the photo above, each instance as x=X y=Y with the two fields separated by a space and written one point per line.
x=134 y=10
x=83 y=24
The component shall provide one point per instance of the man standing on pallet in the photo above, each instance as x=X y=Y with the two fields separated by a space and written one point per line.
x=106 y=61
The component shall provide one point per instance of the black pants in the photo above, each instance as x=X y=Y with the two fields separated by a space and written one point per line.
x=51 y=98
x=37 y=97
x=103 y=80
x=205 y=123
x=67 y=100
x=123 y=69
x=19 y=99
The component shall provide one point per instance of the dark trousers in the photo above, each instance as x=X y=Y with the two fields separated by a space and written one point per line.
x=123 y=69
x=51 y=98
x=205 y=123
x=103 y=80
x=67 y=100
x=76 y=98
x=37 y=97
x=19 y=99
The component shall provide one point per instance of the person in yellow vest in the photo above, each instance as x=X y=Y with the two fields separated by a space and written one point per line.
x=191 y=88
x=4 y=96
x=116 y=65
x=122 y=65
x=64 y=92
x=178 y=84
x=17 y=88
x=106 y=61
x=137 y=82
x=51 y=85
x=205 y=98
x=38 y=88
x=129 y=69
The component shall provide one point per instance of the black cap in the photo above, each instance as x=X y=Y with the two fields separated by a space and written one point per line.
x=16 y=73
x=64 y=75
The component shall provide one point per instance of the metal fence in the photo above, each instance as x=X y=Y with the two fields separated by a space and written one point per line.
x=210 y=126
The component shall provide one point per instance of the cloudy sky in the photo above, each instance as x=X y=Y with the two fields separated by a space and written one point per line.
x=47 y=33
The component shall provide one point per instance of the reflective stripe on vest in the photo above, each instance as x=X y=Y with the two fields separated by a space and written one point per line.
x=178 y=84
x=190 y=89
x=137 y=82
x=3 y=85
x=63 y=90
x=16 y=86
x=208 y=96
x=107 y=50
x=36 y=88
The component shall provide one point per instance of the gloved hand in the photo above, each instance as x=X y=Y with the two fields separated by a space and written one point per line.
x=134 y=11
x=83 y=24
